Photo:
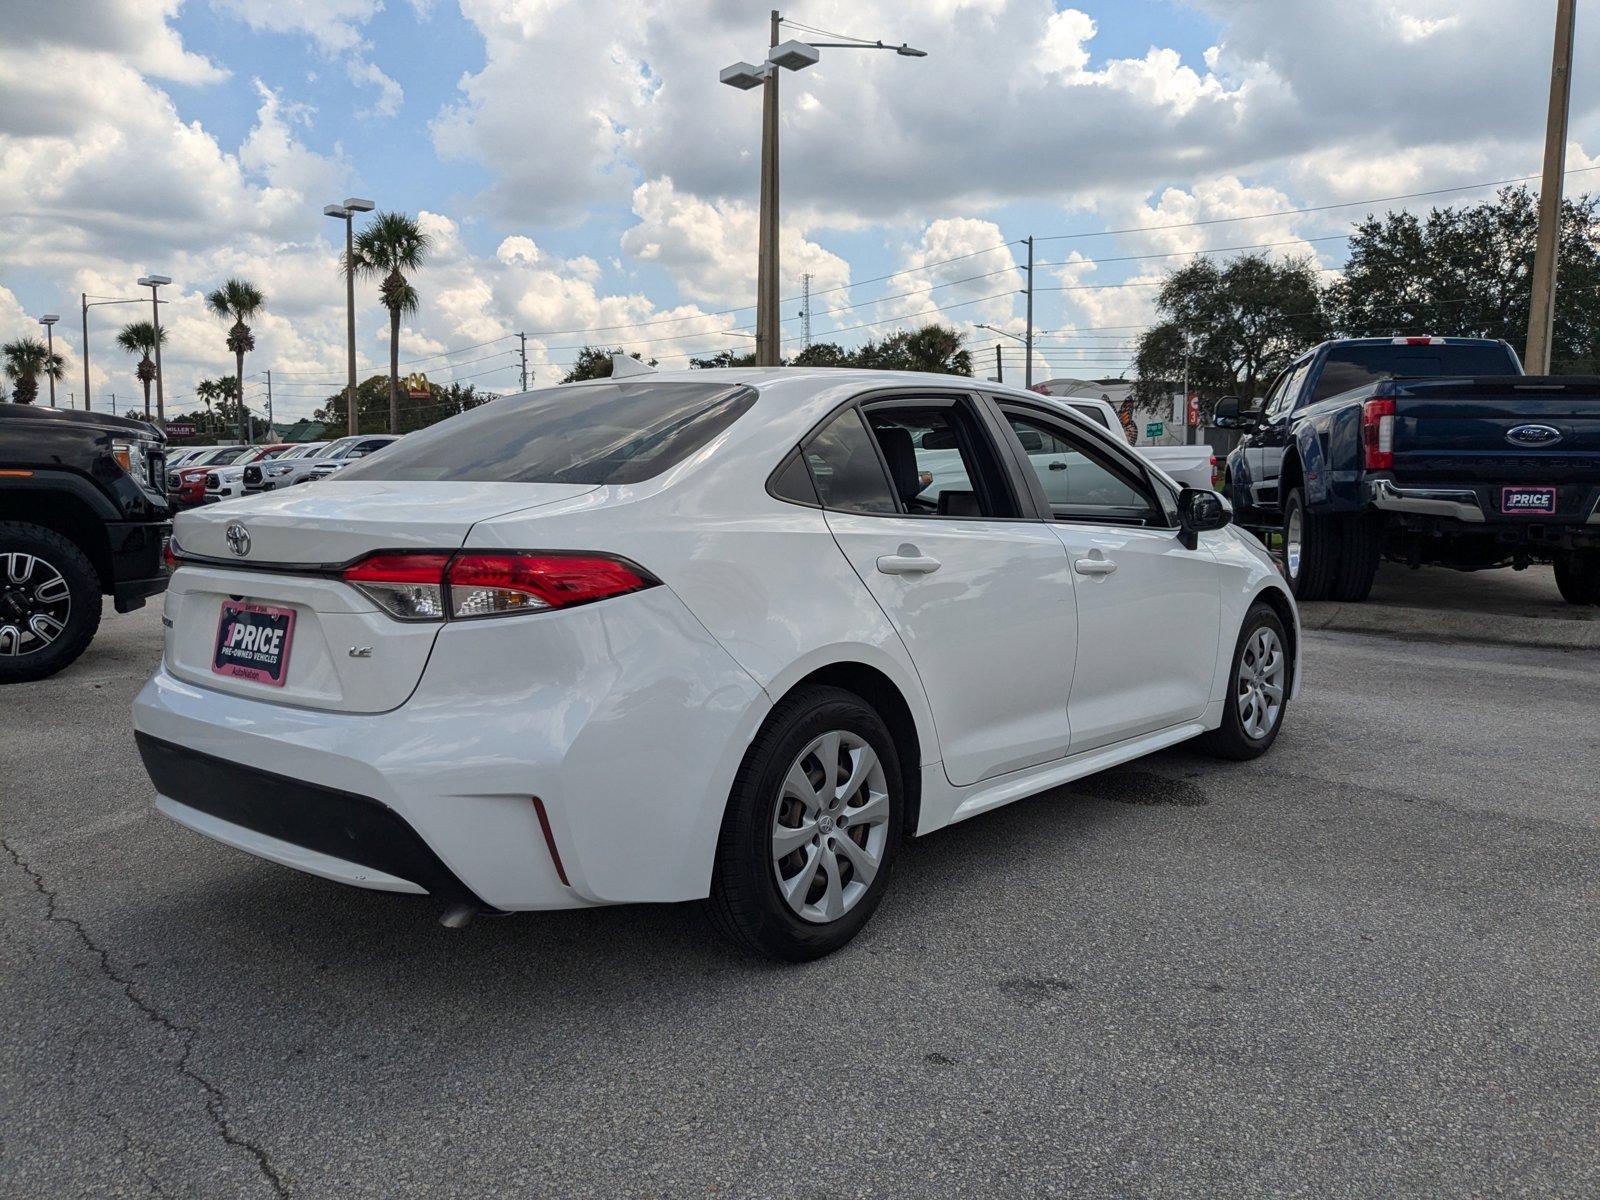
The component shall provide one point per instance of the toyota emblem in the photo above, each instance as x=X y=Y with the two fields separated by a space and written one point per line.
x=238 y=539
x=1533 y=435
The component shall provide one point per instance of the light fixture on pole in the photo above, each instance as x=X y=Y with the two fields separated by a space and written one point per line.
x=88 y=402
x=154 y=282
x=346 y=212
x=790 y=56
x=48 y=321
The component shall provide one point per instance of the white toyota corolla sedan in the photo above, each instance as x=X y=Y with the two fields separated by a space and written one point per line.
x=704 y=634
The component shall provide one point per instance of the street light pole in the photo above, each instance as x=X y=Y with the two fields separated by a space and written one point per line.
x=791 y=56
x=87 y=404
x=49 y=322
x=346 y=212
x=153 y=282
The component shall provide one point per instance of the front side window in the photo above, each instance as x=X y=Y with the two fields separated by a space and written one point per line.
x=615 y=432
x=1083 y=481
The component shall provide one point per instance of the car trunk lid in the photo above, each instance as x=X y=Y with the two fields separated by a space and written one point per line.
x=342 y=652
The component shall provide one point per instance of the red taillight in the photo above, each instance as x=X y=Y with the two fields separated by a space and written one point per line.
x=408 y=586
x=486 y=584
x=1377 y=434
x=431 y=586
x=169 y=557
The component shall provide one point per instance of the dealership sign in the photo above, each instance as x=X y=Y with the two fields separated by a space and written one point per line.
x=180 y=429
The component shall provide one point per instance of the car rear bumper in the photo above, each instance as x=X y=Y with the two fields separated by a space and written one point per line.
x=597 y=744
x=1470 y=511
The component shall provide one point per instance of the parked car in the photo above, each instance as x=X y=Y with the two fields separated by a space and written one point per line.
x=696 y=634
x=256 y=479
x=186 y=484
x=330 y=465
x=225 y=483
x=177 y=456
x=82 y=516
x=1423 y=450
x=1192 y=466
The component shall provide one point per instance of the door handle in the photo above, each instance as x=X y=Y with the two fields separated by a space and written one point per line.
x=908 y=560
x=1095 y=564
x=1058 y=466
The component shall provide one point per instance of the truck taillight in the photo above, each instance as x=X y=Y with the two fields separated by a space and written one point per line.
x=435 y=586
x=1377 y=434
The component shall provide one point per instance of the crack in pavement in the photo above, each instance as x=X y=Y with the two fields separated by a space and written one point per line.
x=216 y=1101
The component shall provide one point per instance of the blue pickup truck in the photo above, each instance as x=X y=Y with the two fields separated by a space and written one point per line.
x=1420 y=450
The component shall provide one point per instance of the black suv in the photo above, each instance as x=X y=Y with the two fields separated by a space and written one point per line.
x=83 y=513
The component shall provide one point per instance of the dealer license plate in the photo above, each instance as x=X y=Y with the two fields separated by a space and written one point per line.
x=253 y=642
x=1535 y=501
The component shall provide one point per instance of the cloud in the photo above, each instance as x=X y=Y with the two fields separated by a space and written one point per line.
x=336 y=29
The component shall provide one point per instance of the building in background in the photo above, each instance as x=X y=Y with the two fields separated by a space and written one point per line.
x=1144 y=425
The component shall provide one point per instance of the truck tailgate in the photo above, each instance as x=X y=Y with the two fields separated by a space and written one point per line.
x=1489 y=433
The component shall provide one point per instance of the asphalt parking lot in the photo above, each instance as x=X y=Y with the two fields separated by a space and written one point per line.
x=1365 y=965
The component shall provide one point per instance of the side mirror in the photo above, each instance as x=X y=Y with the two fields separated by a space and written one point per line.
x=1200 y=510
x=356 y=454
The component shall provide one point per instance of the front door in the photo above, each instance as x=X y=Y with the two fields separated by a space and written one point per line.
x=981 y=598
x=1149 y=608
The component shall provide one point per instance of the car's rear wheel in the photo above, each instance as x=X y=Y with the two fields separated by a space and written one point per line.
x=1578 y=576
x=1258 y=690
x=49 y=602
x=811 y=830
x=1310 y=549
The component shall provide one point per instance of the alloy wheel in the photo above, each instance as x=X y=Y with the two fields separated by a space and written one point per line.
x=1263 y=669
x=830 y=826
x=1293 y=539
x=35 y=603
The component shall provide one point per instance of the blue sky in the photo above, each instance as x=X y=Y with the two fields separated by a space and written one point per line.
x=582 y=171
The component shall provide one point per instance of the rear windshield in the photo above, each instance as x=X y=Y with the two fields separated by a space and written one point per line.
x=598 y=433
x=1356 y=366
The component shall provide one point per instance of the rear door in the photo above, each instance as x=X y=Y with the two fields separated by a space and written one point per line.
x=981 y=596
x=1271 y=440
x=1149 y=608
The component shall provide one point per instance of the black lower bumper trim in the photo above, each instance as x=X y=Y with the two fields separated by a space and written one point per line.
x=343 y=825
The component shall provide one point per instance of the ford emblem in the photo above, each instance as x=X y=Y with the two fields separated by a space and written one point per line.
x=238 y=539
x=1533 y=435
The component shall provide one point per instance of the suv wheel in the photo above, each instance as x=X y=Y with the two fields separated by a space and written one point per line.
x=1310 y=549
x=1578 y=576
x=49 y=602
x=812 y=827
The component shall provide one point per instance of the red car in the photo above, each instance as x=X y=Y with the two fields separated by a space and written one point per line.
x=186 y=485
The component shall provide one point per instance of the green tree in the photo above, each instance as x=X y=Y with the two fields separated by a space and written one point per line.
x=724 y=358
x=390 y=245
x=935 y=348
x=416 y=412
x=821 y=354
x=139 y=337
x=1467 y=271
x=1235 y=325
x=26 y=359
x=241 y=300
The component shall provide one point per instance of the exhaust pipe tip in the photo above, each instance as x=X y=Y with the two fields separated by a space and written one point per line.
x=457 y=916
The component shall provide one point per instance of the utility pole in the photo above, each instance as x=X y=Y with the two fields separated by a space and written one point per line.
x=767 y=323
x=87 y=404
x=269 y=404
x=154 y=282
x=999 y=367
x=805 y=311
x=1542 y=303
x=1027 y=367
x=524 y=339
x=113 y=404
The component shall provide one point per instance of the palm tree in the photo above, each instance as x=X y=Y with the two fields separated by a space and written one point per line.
x=26 y=359
x=139 y=337
x=390 y=246
x=208 y=392
x=241 y=300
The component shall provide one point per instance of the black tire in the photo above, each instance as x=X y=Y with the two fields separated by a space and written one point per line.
x=1231 y=740
x=1361 y=543
x=18 y=602
x=1578 y=576
x=746 y=904
x=1310 y=576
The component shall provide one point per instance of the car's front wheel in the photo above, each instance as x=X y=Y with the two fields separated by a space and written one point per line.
x=811 y=830
x=1258 y=690
x=49 y=602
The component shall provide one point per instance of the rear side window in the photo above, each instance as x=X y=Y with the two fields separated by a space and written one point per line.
x=601 y=433
x=1357 y=366
x=846 y=469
